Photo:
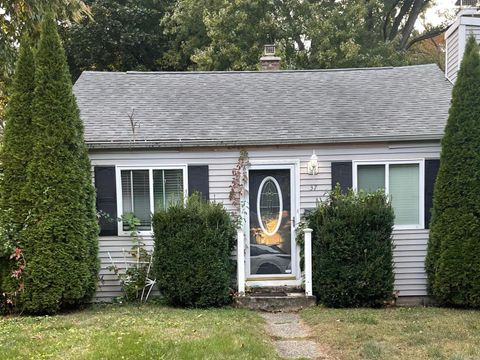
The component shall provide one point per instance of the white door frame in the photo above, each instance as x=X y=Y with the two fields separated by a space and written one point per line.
x=280 y=279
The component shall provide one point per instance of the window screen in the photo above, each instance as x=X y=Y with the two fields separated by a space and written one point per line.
x=136 y=196
x=403 y=188
x=405 y=193
x=167 y=188
x=371 y=177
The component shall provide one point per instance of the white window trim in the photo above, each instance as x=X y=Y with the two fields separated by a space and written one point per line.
x=118 y=178
x=421 y=186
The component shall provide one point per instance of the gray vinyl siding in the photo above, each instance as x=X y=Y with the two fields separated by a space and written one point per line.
x=455 y=46
x=109 y=286
x=473 y=30
x=452 y=61
x=410 y=245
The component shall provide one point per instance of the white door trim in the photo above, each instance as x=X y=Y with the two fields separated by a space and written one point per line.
x=281 y=279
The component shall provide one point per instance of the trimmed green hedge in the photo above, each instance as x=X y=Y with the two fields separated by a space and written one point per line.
x=193 y=245
x=353 y=249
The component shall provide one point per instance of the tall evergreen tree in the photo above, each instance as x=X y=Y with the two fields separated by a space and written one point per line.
x=61 y=232
x=17 y=151
x=16 y=154
x=453 y=261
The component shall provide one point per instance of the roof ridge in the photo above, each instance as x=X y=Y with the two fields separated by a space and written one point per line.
x=233 y=72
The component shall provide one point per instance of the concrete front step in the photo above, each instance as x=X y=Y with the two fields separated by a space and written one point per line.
x=274 y=290
x=273 y=302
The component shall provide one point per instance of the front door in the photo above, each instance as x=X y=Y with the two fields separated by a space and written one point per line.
x=270 y=222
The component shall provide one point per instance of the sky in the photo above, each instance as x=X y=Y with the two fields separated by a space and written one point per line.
x=432 y=15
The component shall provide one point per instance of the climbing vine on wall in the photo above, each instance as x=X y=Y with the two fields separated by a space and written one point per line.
x=238 y=186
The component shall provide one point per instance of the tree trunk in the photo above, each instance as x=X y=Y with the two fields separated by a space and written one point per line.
x=407 y=4
x=387 y=19
x=412 y=18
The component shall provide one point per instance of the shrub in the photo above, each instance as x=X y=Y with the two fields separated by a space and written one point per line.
x=193 y=245
x=352 y=249
x=60 y=236
x=452 y=262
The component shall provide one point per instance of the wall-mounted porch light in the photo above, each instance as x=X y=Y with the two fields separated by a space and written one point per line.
x=312 y=168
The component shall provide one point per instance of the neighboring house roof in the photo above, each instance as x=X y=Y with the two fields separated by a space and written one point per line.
x=179 y=109
x=467 y=3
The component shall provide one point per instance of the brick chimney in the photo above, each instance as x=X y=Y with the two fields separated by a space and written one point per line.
x=467 y=23
x=269 y=61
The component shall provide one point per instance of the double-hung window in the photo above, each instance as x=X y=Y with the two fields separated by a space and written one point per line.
x=144 y=191
x=402 y=181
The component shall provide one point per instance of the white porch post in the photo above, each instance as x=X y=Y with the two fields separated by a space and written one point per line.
x=308 y=262
x=241 y=262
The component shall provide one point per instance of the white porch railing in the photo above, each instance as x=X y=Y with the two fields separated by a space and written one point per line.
x=308 y=261
x=241 y=262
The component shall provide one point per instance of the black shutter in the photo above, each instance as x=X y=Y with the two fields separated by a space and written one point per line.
x=106 y=199
x=431 y=171
x=198 y=180
x=342 y=174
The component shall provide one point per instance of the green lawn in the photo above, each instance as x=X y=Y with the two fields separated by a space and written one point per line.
x=401 y=333
x=158 y=332
x=130 y=332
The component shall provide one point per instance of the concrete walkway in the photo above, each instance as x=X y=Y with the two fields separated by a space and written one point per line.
x=291 y=337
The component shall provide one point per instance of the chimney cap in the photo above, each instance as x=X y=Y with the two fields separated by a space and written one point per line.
x=269 y=61
x=269 y=50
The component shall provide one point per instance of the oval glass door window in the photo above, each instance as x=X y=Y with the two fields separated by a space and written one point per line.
x=269 y=206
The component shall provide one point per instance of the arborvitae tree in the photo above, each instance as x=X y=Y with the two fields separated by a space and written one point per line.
x=61 y=231
x=453 y=261
x=15 y=156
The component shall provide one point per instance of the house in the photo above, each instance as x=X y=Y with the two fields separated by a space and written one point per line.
x=154 y=136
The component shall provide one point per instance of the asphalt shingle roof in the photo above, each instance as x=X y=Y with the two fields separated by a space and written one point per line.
x=244 y=108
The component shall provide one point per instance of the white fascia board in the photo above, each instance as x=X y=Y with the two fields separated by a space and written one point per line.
x=452 y=28
x=462 y=20
x=470 y=20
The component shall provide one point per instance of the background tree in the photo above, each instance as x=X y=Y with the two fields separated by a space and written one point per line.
x=341 y=37
x=452 y=263
x=185 y=32
x=310 y=34
x=60 y=239
x=238 y=31
x=399 y=19
x=121 y=35
x=428 y=51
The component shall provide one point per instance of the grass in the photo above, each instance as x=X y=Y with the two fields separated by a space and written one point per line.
x=131 y=332
x=158 y=332
x=397 y=333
